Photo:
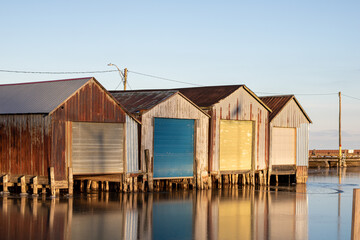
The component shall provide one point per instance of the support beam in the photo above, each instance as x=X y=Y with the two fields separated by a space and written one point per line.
x=23 y=185
x=52 y=182
x=35 y=186
x=71 y=182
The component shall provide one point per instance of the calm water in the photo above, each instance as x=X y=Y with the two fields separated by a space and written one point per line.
x=319 y=210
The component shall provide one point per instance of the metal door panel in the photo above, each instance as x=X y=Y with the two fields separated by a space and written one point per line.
x=173 y=147
x=236 y=145
x=97 y=148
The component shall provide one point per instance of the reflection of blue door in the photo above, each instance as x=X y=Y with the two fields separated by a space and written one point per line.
x=172 y=220
x=173 y=147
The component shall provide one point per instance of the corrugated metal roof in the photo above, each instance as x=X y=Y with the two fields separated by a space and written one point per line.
x=37 y=97
x=277 y=103
x=137 y=100
x=207 y=96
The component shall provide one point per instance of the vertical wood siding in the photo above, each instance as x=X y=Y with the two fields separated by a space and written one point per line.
x=292 y=116
x=90 y=104
x=24 y=144
x=240 y=105
x=132 y=145
x=177 y=107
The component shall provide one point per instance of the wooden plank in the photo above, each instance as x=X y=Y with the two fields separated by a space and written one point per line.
x=110 y=178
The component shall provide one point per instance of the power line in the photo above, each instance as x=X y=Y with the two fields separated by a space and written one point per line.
x=300 y=94
x=166 y=79
x=31 y=72
x=351 y=97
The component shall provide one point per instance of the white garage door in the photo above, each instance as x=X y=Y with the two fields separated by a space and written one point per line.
x=97 y=148
x=283 y=146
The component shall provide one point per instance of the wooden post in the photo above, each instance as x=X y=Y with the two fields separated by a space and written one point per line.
x=355 y=227
x=340 y=153
x=269 y=177
x=35 y=186
x=23 y=185
x=88 y=185
x=135 y=184
x=149 y=172
x=107 y=186
x=5 y=180
x=81 y=185
x=43 y=190
x=277 y=179
x=52 y=182
x=71 y=182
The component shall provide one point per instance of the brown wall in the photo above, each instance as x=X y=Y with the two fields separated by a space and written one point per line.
x=90 y=104
x=25 y=144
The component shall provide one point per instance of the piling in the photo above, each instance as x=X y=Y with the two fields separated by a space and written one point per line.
x=35 y=186
x=355 y=228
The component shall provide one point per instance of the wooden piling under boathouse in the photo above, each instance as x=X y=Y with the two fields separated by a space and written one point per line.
x=174 y=138
x=56 y=132
x=289 y=138
x=238 y=148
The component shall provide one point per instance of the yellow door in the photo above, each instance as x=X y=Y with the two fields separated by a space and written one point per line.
x=283 y=146
x=236 y=145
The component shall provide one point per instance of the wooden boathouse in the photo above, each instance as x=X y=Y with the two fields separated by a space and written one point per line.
x=56 y=131
x=238 y=132
x=289 y=137
x=174 y=136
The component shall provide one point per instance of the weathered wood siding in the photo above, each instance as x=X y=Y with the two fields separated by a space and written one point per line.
x=90 y=104
x=177 y=107
x=240 y=105
x=291 y=116
x=25 y=144
x=132 y=145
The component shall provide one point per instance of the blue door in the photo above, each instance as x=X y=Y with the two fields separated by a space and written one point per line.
x=173 y=147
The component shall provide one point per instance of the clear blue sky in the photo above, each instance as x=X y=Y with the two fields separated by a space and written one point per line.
x=271 y=46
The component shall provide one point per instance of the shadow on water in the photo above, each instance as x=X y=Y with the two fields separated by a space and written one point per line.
x=319 y=210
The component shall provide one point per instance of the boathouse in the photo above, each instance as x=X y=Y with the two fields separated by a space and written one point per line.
x=238 y=131
x=289 y=137
x=174 y=133
x=51 y=132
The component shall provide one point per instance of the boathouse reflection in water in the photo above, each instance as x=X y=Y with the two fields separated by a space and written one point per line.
x=229 y=213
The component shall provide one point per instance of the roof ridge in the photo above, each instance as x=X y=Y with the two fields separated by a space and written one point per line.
x=47 y=81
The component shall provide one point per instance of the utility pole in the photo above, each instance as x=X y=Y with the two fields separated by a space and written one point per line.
x=340 y=153
x=125 y=78
x=122 y=75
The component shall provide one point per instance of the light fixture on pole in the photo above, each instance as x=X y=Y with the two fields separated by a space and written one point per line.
x=122 y=75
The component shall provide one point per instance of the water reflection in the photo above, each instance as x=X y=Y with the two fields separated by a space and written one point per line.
x=230 y=213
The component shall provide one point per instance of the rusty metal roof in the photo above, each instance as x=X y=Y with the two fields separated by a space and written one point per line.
x=207 y=96
x=138 y=100
x=37 y=97
x=277 y=103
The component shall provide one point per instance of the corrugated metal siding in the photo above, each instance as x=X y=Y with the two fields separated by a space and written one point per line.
x=132 y=145
x=97 y=148
x=302 y=145
x=25 y=144
x=236 y=145
x=177 y=107
x=240 y=105
x=292 y=116
x=173 y=148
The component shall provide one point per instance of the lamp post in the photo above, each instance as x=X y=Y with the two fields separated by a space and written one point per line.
x=122 y=75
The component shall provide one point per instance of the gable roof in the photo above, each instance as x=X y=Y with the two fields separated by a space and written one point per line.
x=136 y=101
x=207 y=96
x=37 y=97
x=277 y=103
